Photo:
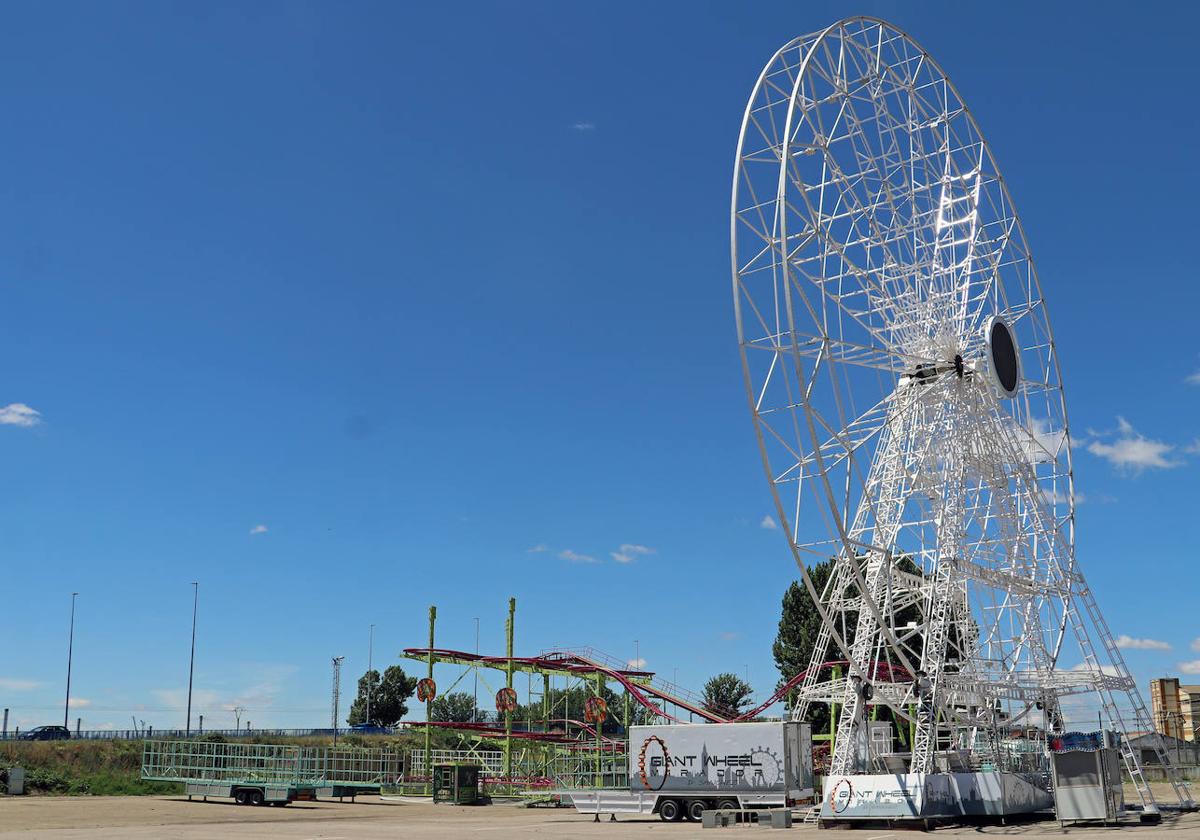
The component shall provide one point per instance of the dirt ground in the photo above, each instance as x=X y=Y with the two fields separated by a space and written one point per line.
x=370 y=818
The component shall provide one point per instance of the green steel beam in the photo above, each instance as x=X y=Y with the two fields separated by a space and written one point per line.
x=429 y=702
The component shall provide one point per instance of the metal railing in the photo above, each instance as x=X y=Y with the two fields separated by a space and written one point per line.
x=168 y=734
x=616 y=664
x=562 y=770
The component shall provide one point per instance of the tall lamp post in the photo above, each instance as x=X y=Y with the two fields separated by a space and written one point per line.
x=192 y=661
x=370 y=652
x=475 y=673
x=70 y=651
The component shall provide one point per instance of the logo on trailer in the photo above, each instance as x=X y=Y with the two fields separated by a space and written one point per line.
x=664 y=762
x=840 y=796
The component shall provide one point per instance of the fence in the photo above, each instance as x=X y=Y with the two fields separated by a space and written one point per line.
x=151 y=732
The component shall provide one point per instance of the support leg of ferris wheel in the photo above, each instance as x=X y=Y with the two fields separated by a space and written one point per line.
x=938 y=614
x=834 y=596
x=888 y=480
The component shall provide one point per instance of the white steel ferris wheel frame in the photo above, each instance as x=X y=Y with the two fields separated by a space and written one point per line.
x=877 y=256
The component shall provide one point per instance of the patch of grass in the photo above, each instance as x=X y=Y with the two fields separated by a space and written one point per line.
x=111 y=768
x=99 y=768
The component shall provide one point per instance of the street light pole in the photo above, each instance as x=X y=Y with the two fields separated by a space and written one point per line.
x=192 y=661
x=370 y=651
x=70 y=652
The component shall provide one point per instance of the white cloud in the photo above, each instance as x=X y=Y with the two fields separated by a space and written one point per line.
x=1132 y=452
x=269 y=684
x=1040 y=441
x=1131 y=643
x=19 y=414
x=583 y=126
x=266 y=682
x=16 y=684
x=1192 y=667
x=1193 y=379
x=1193 y=448
x=79 y=703
x=730 y=635
x=1196 y=644
x=538 y=549
x=576 y=557
x=258 y=529
x=176 y=698
x=768 y=523
x=629 y=552
x=1111 y=670
x=636 y=664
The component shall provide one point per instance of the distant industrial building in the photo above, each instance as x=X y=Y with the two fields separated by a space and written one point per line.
x=1175 y=708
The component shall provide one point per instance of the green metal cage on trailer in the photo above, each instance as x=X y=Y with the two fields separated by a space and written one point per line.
x=275 y=774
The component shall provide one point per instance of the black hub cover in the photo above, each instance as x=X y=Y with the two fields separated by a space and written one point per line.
x=1004 y=356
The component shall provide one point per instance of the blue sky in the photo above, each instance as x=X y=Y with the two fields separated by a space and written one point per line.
x=343 y=309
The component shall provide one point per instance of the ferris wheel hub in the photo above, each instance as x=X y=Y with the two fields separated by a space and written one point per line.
x=1004 y=357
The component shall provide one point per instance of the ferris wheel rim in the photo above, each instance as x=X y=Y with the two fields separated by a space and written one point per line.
x=801 y=72
x=817 y=39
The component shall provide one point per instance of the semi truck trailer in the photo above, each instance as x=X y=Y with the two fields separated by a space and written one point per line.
x=678 y=771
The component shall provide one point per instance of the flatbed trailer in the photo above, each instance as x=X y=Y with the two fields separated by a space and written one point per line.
x=269 y=774
x=668 y=806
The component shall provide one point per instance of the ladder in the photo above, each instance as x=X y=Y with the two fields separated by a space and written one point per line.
x=1141 y=719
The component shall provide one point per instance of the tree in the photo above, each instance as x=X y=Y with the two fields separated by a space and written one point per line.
x=799 y=624
x=727 y=695
x=387 y=697
x=458 y=706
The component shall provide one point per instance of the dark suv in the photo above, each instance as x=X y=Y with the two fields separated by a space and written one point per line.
x=47 y=733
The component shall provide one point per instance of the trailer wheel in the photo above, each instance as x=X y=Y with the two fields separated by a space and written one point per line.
x=695 y=810
x=241 y=797
x=255 y=797
x=728 y=804
x=670 y=810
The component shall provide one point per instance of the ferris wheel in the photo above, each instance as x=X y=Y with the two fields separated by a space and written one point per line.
x=904 y=383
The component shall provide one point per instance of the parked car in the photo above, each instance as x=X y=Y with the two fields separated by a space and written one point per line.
x=46 y=733
x=370 y=729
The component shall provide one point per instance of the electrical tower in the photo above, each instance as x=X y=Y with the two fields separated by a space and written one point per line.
x=337 y=691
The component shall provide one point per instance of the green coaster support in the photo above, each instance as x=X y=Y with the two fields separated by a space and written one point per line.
x=508 y=681
x=599 y=738
x=429 y=703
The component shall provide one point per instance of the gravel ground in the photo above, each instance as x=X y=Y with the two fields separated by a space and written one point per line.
x=371 y=817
